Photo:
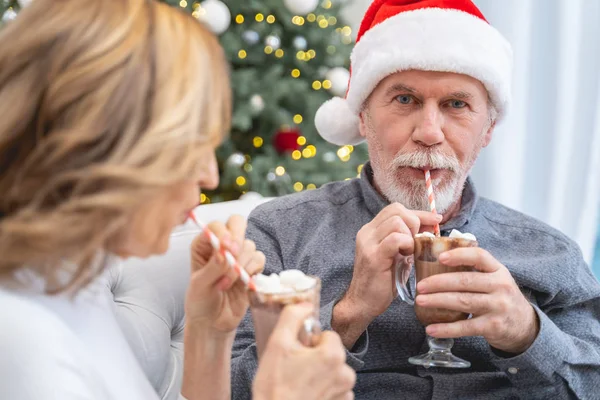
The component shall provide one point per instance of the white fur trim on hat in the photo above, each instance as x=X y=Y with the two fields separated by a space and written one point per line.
x=428 y=39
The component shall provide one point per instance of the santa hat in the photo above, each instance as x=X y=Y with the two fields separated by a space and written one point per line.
x=427 y=35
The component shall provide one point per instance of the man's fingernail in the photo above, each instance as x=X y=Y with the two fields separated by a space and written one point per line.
x=431 y=330
x=439 y=217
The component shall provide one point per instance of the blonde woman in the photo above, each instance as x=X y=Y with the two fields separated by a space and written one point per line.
x=111 y=111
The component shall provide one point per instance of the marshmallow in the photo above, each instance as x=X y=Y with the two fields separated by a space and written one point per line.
x=425 y=234
x=290 y=276
x=288 y=281
x=458 y=235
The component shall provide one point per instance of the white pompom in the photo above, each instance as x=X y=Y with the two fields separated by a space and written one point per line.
x=339 y=78
x=337 y=123
x=216 y=15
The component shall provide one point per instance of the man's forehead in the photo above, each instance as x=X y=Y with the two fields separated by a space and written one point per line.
x=432 y=82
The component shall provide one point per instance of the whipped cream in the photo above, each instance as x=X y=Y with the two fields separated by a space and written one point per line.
x=288 y=281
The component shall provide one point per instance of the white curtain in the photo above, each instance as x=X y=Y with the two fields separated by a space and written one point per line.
x=545 y=157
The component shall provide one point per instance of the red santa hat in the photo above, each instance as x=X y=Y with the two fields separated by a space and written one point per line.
x=427 y=35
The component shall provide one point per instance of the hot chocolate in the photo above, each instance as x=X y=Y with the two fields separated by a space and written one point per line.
x=427 y=250
x=274 y=292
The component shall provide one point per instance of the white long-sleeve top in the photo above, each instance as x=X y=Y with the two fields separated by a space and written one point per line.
x=65 y=348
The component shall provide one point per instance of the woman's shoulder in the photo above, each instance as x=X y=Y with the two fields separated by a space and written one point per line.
x=38 y=352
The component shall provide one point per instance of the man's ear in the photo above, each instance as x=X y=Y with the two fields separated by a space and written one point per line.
x=362 y=126
x=488 y=135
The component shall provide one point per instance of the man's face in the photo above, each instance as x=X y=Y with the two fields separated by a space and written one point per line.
x=416 y=120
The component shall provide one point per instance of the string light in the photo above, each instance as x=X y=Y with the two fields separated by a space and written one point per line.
x=332 y=20
x=280 y=171
x=298 y=119
x=317 y=85
x=327 y=4
x=295 y=73
x=279 y=53
x=327 y=84
x=298 y=20
x=259 y=17
x=242 y=54
x=248 y=158
x=359 y=168
x=346 y=31
x=344 y=153
x=240 y=181
x=204 y=199
x=300 y=55
x=323 y=23
x=331 y=49
x=309 y=152
x=268 y=50
x=248 y=167
x=270 y=19
x=183 y=4
x=257 y=141
x=301 y=140
x=311 y=17
x=346 y=40
x=311 y=53
x=311 y=186
x=298 y=186
x=239 y=19
x=296 y=155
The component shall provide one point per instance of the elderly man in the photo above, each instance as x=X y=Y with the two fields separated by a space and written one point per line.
x=430 y=80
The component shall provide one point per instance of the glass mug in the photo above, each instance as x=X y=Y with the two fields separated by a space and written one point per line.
x=425 y=262
x=266 y=309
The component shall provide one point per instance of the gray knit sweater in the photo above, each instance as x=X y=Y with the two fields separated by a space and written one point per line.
x=315 y=232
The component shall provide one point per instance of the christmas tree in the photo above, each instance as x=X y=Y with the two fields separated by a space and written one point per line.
x=287 y=57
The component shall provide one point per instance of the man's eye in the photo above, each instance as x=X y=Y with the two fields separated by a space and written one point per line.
x=457 y=104
x=404 y=99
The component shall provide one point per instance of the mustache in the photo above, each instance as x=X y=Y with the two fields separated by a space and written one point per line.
x=420 y=159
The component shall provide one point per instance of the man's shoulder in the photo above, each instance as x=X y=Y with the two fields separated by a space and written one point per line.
x=509 y=219
x=326 y=198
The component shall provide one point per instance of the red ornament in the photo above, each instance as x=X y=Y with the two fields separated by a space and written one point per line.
x=286 y=141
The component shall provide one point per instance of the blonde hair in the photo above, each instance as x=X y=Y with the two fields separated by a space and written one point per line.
x=104 y=103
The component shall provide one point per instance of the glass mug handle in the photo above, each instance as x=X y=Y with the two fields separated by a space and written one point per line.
x=310 y=332
x=402 y=276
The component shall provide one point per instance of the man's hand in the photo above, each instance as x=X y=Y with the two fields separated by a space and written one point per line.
x=501 y=313
x=378 y=246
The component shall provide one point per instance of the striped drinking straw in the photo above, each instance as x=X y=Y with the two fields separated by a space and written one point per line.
x=216 y=244
x=431 y=198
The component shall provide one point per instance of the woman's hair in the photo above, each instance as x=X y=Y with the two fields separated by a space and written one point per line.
x=104 y=103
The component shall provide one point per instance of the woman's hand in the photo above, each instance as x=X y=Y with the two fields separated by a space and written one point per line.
x=217 y=298
x=289 y=370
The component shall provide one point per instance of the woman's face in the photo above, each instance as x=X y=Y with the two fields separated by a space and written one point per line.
x=150 y=228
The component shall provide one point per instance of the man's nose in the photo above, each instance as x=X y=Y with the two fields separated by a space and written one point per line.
x=428 y=130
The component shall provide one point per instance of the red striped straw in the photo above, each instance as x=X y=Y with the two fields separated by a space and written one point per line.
x=216 y=244
x=431 y=197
